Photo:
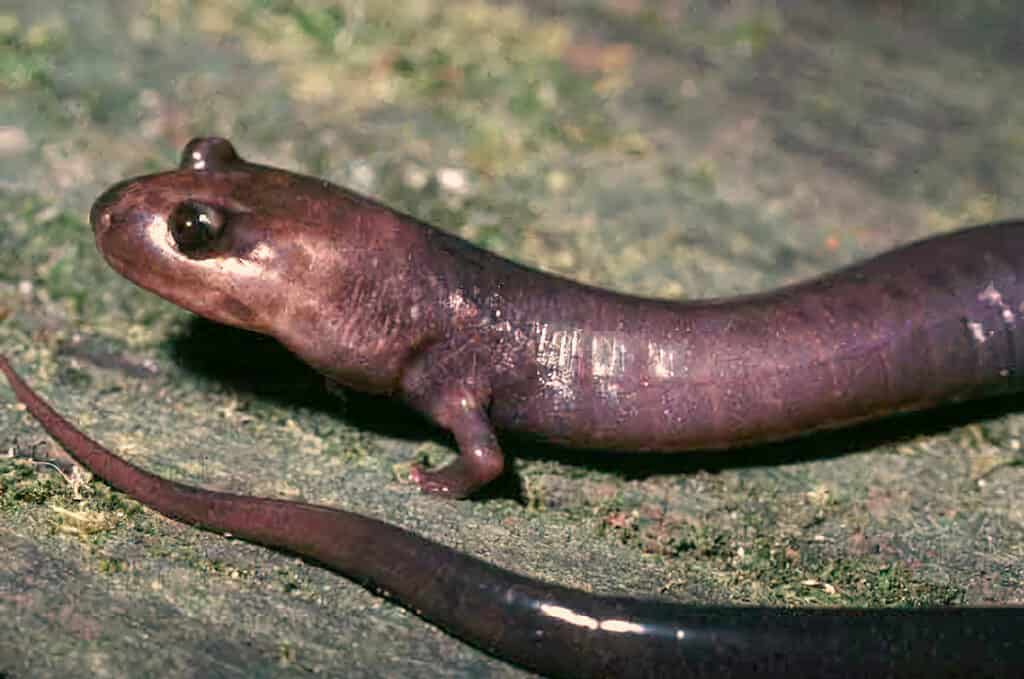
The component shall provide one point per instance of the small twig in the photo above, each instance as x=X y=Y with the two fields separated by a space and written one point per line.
x=72 y=474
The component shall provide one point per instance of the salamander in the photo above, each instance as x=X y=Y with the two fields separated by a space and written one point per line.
x=378 y=301
x=563 y=632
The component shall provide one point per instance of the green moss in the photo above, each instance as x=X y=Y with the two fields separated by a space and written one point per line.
x=21 y=484
x=797 y=575
x=51 y=248
x=757 y=32
x=111 y=566
x=322 y=24
x=26 y=58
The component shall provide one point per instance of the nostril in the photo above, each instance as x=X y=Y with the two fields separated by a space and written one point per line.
x=105 y=209
x=99 y=216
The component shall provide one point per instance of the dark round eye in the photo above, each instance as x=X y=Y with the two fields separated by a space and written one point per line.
x=195 y=224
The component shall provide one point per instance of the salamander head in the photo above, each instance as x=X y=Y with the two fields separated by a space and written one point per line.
x=239 y=243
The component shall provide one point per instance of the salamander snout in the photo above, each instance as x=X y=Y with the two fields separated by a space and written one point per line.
x=99 y=217
x=106 y=208
x=119 y=221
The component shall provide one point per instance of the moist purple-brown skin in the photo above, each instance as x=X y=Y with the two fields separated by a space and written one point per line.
x=379 y=301
x=564 y=632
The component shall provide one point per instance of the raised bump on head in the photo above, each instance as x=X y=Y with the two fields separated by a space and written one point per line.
x=208 y=153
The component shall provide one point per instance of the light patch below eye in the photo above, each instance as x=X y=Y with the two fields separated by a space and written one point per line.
x=159 y=235
x=256 y=266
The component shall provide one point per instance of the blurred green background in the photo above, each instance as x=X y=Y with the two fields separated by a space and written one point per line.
x=670 y=148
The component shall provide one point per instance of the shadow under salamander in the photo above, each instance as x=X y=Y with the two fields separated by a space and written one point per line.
x=258 y=365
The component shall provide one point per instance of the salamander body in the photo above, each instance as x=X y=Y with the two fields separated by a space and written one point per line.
x=378 y=301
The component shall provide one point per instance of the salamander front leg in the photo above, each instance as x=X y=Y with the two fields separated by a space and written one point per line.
x=480 y=458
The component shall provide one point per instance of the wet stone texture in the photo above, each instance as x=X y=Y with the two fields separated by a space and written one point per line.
x=671 y=148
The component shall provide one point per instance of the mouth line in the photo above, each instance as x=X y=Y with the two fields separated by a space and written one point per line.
x=116 y=263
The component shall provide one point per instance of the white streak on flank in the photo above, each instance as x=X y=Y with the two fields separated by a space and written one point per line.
x=991 y=296
x=557 y=351
x=977 y=331
x=569 y=616
x=662 y=360
x=580 y=620
x=622 y=626
x=607 y=356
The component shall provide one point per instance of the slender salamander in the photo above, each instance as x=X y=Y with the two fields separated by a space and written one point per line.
x=377 y=301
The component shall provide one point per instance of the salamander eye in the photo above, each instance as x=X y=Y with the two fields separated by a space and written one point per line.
x=195 y=224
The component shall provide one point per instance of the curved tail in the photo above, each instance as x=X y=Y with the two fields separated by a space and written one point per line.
x=564 y=632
